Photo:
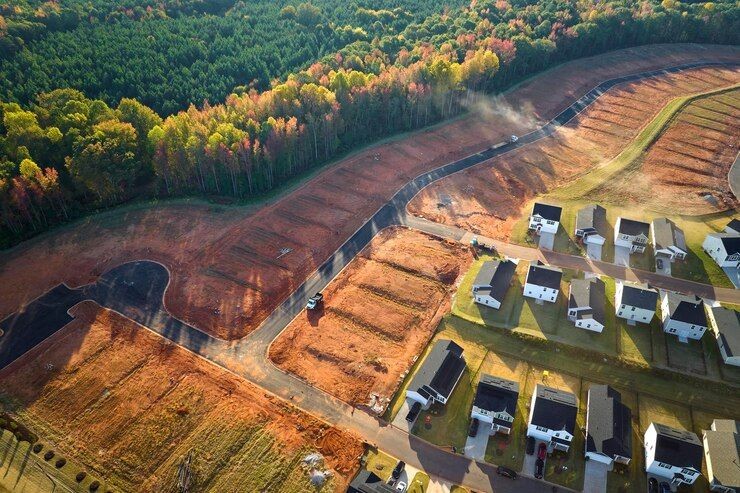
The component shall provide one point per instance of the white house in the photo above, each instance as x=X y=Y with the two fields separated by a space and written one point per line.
x=608 y=426
x=492 y=282
x=673 y=455
x=683 y=316
x=438 y=374
x=635 y=302
x=545 y=218
x=495 y=403
x=591 y=224
x=668 y=239
x=724 y=248
x=586 y=304
x=631 y=234
x=552 y=417
x=722 y=453
x=726 y=328
x=543 y=282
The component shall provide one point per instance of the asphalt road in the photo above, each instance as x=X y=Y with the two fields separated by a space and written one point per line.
x=136 y=290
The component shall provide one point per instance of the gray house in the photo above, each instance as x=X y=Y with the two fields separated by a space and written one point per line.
x=721 y=450
x=492 y=282
x=668 y=239
x=586 y=304
x=438 y=374
x=591 y=225
x=725 y=324
x=608 y=426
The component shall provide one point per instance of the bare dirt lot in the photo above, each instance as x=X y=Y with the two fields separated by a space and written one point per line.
x=686 y=168
x=232 y=266
x=377 y=317
x=489 y=198
x=129 y=406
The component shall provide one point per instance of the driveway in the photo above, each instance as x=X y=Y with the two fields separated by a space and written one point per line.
x=666 y=270
x=400 y=420
x=622 y=255
x=475 y=447
x=529 y=460
x=734 y=274
x=593 y=251
x=595 y=477
x=546 y=241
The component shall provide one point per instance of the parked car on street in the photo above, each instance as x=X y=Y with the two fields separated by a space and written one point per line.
x=398 y=469
x=539 y=467
x=530 y=445
x=473 y=427
x=413 y=412
x=665 y=488
x=506 y=472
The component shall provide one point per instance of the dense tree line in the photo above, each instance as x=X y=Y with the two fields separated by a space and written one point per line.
x=66 y=153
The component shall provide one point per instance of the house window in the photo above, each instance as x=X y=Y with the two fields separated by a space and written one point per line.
x=552 y=299
x=687 y=472
x=672 y=331
x=550 y=222
x=666 y=466
x=572 y=313
x=620 y=313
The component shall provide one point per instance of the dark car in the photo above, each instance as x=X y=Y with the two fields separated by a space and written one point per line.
x=530 y=445
x=659 y=263
x=665 y=488
x=653 y=485
x=506 y=472
x=398 y=470
x=539 y=466
x=413 y=412
x=473 y=427
x=542 y=451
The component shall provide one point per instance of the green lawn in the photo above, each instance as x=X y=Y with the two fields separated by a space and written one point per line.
x=380 y=463
x=419 y=484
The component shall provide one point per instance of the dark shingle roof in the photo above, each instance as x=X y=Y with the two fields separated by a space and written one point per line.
x=543 y=275
x=551 y=212
x=554 y=409
x=731 y=243
x=496 y=394
x=728 y=326
x=678 y=448
x=368 y=482
x=633 y=228
x=734 y=225
x=723 y=452
x=497 y=276
x=589 y=293
x=639 y=296
x=608 y=423
x=592 y=217
x=440 y=370
x=689 y=309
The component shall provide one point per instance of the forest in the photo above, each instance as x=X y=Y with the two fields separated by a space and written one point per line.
x=105 y=101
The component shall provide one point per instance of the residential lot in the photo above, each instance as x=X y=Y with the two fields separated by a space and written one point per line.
x=377 y=316
x=652 y=396
x=130 y=406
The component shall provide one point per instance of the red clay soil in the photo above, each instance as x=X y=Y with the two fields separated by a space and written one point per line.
x=129 y=405
x=377 y=317
x=686 y=168
x=488 y=198
x=232 y=268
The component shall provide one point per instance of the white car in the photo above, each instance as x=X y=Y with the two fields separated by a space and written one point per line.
x=514 y=138
x=401 y=486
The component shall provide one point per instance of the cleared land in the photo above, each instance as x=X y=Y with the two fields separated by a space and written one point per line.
x=491 y=198
x=650 y=395
x=226 y=274
x=129 y=406
x=377 y=316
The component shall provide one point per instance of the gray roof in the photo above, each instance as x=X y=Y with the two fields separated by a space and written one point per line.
x=495 y=277
x=588 y=293
x=728 y=327
x=554 y=409
x=633 y=228
x=638 y=295
x=667 y=234
x=689 y=309
x=678 y=448
x=544 y=275
x=496 y=394
x=723 y=447
x=368 y=482
x=592 y=217
x=547 y=211
x=440 y=370
x=608 y=423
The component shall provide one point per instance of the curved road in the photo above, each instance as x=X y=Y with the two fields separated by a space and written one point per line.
x=136 y=290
